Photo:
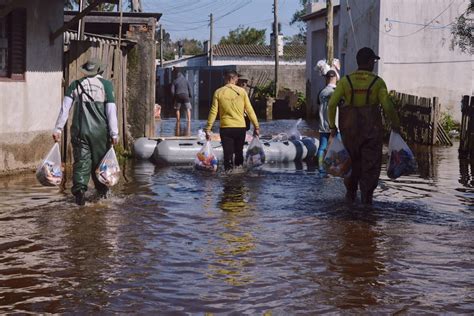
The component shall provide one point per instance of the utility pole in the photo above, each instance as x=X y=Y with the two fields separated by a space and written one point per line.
x=211 y=24
x=161 y=45
x=329 y=33
x=275 y=41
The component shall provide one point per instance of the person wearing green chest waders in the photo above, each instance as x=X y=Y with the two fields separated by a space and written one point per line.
x=360 y=122
x=94 y=126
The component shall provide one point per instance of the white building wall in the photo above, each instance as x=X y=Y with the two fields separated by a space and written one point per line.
x=29 y=108
x=417 y=59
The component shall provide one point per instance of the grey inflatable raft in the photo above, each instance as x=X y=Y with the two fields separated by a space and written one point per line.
x=183 y=150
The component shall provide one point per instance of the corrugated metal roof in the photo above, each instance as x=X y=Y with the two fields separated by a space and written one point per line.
x=289 y=51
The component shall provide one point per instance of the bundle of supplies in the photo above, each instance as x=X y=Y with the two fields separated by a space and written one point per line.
x=323 y=67
x=205 y=158
x=401 y=159
x=108 y=172
x=337 y=160
x=49 y=172
x=255 y=155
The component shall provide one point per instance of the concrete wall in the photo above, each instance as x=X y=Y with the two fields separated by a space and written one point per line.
x=292 y=77
x=422 y=62
x=29 y=108
x=316 y=50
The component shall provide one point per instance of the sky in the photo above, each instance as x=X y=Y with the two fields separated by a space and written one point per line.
x=190 y=18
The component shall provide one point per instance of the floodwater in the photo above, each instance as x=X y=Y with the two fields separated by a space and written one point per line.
x=281 y=241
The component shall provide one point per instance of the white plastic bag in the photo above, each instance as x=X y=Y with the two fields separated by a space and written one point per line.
x=293 y=133
x=255 y=155
x=49 y=172
x=401 y=160
x=205 y=158
x=337 y=160
x=108 y=172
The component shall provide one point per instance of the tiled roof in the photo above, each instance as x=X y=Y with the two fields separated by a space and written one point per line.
x=289 y=51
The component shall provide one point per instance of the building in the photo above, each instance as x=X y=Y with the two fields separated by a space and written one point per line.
x=413 y=39
x=256 y=62
x=30 y=80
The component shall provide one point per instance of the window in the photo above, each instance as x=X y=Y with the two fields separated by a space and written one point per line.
x=13 y=45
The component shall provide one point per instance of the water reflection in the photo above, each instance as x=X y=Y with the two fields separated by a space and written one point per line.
x=466 y=171
x=233 y=251
x=357 y=263
x=182 y=130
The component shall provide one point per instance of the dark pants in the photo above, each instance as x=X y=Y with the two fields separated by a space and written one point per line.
x=362 y=132
x=233 y=139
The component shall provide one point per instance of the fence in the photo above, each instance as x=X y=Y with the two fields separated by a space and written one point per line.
x=419 y=119
x=466 y=145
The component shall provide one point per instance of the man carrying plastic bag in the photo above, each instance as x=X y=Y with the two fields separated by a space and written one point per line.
x=49 y=172
x=401 y=160
x=205 y=158
x=255 y=155
x=360 y=122
x=94 y=126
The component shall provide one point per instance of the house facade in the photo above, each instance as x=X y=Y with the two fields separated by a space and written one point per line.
x=30 y=80
x=413 y=39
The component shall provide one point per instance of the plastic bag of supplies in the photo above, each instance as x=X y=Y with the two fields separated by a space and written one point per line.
x=49 y=172
x=205 y=158
x=255 y=155
x=293 y=133
x=401 y=160
x=337 y=160
x=108 y=172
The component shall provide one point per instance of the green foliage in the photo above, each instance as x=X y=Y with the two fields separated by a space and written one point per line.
x=192 y=47
x=448 y=123
x=121 y=153
x=301 y=102
x=296 y=39
x=244 y=36
x=462 y=31
x=264 y=91
x=296 y=19
x=74 y=5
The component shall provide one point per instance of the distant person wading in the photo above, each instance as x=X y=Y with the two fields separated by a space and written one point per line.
x=182 y=95
x=231 y=102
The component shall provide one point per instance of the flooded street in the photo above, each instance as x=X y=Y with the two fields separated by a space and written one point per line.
x=281 y=240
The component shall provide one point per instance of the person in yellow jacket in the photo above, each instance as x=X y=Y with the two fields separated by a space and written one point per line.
x=360 y=122
x=231 y=101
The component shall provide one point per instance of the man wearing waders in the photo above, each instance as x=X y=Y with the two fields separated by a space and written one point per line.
x=94 y=126
x=360 y=122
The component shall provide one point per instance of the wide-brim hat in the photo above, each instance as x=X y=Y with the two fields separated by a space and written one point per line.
x=92 y=67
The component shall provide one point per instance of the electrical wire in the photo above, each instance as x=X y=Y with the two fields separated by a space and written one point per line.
x=352 y=25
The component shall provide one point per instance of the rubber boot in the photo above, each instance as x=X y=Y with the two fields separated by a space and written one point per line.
x=80 y=198
x=366 y=198
x=351 y=196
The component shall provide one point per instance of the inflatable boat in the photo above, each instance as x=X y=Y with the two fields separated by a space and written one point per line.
x=183 y=150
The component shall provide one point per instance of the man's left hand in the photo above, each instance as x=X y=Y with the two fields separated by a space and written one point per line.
x=256 y=132
x=208 y=135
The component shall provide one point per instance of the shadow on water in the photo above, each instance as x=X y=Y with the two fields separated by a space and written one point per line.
x=279 y=240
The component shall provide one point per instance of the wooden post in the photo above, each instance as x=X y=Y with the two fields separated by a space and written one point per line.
x=275 y=41
x=329 y=33
x=211 y=27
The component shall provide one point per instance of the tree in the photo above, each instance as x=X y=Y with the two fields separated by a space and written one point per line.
x=245 y=36
x=168 y=46
x=192 y=47
x=74 y=4
x=296 y=19
x=296 y=39
x=462 y=31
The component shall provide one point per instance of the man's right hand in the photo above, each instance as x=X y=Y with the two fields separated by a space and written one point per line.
x=333 y=132
x=57 y=137
x=208 y=135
